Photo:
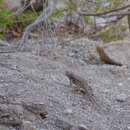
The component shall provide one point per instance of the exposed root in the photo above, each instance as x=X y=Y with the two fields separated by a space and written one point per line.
x=40 y=20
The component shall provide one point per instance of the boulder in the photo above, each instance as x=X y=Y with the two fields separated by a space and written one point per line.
x=39 y=81
x=116 y=53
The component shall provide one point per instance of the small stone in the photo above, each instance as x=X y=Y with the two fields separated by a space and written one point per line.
x=27 y=125
x=82 y=127
x=71 y=54
x=128 y=127
x=120 y=84
x=68 y=111
x=121 y=97
x=106 y=91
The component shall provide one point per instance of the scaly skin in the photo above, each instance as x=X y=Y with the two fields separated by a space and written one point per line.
x=85 y=88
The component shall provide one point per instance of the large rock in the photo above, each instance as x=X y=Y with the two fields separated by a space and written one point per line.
x=117 y=53
x=28 y=78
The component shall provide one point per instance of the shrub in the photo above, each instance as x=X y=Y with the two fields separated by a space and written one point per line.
x=6 y=18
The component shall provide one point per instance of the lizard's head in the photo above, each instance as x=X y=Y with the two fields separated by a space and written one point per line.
x=68 y=74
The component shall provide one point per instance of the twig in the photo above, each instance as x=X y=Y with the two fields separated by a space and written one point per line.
x=108 y=13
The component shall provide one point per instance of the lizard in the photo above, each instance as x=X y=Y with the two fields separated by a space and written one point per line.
x=83 y=86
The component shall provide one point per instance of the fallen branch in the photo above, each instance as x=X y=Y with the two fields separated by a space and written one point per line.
x=42 y=19
x=104 y=14
x=109 y=13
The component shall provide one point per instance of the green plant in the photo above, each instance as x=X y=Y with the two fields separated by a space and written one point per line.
x=5 y=16
x=58 y=13
x=88 y=19
x=25 y=18
x=71 y=6
x=114 y=32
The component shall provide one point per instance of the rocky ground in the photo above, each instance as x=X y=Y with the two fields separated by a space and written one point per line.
x=36 y=92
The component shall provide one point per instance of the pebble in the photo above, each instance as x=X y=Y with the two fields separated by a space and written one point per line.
x=128 y=127
x=121 y=97
x=106 y=90
x=82 y=127
x=120 y=84
x=68 y=111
